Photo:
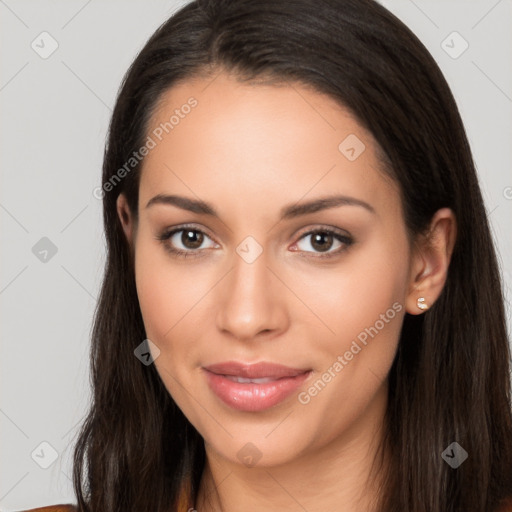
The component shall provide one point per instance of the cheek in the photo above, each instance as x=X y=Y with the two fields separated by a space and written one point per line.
x=152 y=282
x=172 y=296
x=352 y=365
x=352 y=295
x=162 y=289
x=363 y=303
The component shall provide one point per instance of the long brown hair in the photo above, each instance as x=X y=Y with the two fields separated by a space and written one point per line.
x=450 y=380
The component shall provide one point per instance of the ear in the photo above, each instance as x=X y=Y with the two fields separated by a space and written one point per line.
x=430 y=261
x=126 y=218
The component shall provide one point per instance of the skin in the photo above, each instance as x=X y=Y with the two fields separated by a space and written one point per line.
x=249 y=150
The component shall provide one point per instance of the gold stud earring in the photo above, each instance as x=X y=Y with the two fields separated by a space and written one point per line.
x=421 y=304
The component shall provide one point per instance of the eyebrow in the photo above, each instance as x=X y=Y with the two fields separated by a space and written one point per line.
x=287 y=212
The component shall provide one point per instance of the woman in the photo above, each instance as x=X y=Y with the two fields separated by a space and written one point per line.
x=301 y=306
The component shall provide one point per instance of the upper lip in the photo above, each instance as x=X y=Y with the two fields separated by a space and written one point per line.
x=255 y=371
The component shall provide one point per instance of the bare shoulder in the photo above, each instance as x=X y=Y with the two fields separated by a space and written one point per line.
x=506 y=506
x=54 y=508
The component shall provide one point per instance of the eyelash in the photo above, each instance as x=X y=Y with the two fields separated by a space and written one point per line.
x=195 y=253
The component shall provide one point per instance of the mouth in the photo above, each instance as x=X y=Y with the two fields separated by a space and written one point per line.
x=253 y=387
x=243 y=380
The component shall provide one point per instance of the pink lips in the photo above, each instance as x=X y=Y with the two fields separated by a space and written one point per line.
x=253 y=387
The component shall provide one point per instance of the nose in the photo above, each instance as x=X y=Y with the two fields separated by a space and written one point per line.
x=252 y=301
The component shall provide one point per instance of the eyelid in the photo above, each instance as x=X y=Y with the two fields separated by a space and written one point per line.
x=168 y=233
x=324 y=227
x=343 y=237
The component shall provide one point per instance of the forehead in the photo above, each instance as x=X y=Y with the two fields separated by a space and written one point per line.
x=278 y=143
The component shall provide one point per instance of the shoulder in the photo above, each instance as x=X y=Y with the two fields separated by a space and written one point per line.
x=506 y=505
x=54 y=508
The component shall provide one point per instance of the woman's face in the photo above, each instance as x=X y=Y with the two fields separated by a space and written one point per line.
x=274 y=275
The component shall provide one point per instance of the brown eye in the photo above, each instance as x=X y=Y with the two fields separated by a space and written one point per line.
x=185 y=241
x=192 y=239
x=323 y=240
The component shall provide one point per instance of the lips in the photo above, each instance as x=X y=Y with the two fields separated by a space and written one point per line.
x=261 y=370
x=253 y=387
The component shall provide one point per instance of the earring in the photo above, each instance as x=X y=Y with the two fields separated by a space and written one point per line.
x=421 y=304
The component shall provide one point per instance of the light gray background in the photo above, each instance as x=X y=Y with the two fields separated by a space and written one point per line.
x=55 y=114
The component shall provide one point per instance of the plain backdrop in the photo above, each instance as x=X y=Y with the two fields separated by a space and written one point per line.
x=55 y=110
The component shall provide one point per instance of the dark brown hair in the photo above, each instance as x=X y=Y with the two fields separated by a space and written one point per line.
x=450 y=380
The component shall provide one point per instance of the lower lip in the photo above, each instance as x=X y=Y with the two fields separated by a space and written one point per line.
x=251 y=396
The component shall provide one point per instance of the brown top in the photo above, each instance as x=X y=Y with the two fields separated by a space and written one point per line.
x=54 y=508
